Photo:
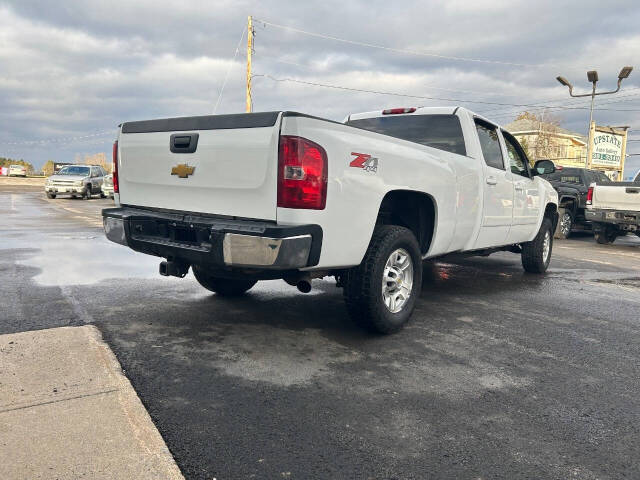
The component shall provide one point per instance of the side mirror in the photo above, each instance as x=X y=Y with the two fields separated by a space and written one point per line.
x=544 y=167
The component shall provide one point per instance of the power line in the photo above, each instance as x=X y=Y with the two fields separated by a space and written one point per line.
x=226 y=77
x=423 y=97
x=402 y=50
x=45 y=141
x=510 y=112
x=571 y=102
x=307 y=67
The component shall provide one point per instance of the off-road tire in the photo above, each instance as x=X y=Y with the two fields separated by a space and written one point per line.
x=606 y=236
x=533 y=259
x=51 y=195
x=568 y=217
x=225 y=287
x=363 y=284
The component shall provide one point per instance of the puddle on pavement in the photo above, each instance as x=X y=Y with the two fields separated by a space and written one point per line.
x=81 y=259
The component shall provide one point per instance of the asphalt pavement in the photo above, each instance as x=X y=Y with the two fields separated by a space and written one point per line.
x=500 y=374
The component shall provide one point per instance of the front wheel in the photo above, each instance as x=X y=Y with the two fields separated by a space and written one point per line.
x=565 y=224
x=87 y=194
x=536 y=254
x=225 y=287
x=51 y=195
x=381 y=292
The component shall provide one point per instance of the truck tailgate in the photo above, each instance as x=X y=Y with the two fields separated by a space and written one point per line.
x=219 y=164
x=622 y=196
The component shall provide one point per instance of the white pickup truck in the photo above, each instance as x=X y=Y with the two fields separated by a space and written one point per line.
x=614 y=210
x=247 y=197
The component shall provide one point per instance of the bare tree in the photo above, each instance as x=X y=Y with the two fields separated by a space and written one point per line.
x=544 y=144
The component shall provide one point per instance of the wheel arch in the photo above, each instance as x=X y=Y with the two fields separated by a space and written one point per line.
x=412 y=209
x=569 y=202
x=551 y=212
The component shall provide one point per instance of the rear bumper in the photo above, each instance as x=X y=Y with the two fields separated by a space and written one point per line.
x=623 y=218
x=214 y=241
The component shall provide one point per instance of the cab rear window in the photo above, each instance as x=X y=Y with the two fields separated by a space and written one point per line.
x=438 y=131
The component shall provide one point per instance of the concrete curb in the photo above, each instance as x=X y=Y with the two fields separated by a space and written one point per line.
x=68 y=411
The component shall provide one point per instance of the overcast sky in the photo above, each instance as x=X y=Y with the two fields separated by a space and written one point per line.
x=73 y=69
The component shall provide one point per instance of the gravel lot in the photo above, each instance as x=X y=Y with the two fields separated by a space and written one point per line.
x=499 y=375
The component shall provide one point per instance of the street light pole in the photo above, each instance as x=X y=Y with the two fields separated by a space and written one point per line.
x=592 y=76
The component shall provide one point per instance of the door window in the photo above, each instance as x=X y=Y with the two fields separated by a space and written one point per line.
x=490 y=145
x=517 y=158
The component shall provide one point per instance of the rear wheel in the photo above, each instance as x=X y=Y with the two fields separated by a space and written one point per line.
x=381 y=292
x=536 y=254
x=606 y=236
x=225 y=287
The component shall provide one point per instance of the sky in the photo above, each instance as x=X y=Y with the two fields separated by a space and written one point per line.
x=71 y=71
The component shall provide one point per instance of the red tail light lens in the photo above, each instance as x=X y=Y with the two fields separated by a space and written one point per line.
x=590 y=196
x=115 y=167
x=395 y=111
x=302 y=174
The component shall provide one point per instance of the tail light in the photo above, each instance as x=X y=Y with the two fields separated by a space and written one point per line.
x=302 y=174
x=395 y=111
x=590 y=196
x=115 y=167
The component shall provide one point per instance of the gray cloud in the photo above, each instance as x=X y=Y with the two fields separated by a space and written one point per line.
x=73 y=68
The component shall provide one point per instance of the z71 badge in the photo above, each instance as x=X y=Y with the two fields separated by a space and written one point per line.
x=364 y=161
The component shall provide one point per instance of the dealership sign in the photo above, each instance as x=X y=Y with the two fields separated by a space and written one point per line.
x=607 y=148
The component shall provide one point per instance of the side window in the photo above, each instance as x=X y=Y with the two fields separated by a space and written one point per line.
x=490 y=144
x=517 y=159
x=95 y=172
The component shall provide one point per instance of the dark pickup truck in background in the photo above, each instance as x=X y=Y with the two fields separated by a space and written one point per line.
x=572 y=185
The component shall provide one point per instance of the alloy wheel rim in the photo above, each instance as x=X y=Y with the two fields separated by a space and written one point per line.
x=565 y=224
x=397 y=280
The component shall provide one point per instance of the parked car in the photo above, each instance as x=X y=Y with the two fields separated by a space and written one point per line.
x=17 y=171
x=614 y=210
x=246 y=197
x=572 y=185
x=107 y=186
x=76 y=180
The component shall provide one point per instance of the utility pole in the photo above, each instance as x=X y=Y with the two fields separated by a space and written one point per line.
x=249 y=52
x=592 y=76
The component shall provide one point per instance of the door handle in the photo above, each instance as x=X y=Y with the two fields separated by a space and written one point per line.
x=492 y=181
x=519 y=188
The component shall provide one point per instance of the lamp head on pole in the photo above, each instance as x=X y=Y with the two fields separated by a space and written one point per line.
x=625 y=72
x=564 y=81
x=592 y=76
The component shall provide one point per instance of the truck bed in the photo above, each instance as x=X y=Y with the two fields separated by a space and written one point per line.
x=617 y=196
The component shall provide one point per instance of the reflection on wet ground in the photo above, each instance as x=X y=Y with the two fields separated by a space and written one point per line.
x=62 y=246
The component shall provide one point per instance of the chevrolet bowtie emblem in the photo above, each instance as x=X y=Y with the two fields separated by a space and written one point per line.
x=182 y=170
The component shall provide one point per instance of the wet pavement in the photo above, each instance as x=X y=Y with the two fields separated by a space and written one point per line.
x=499 y=375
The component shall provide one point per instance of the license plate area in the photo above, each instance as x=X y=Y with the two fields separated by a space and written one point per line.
x=169 y=232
